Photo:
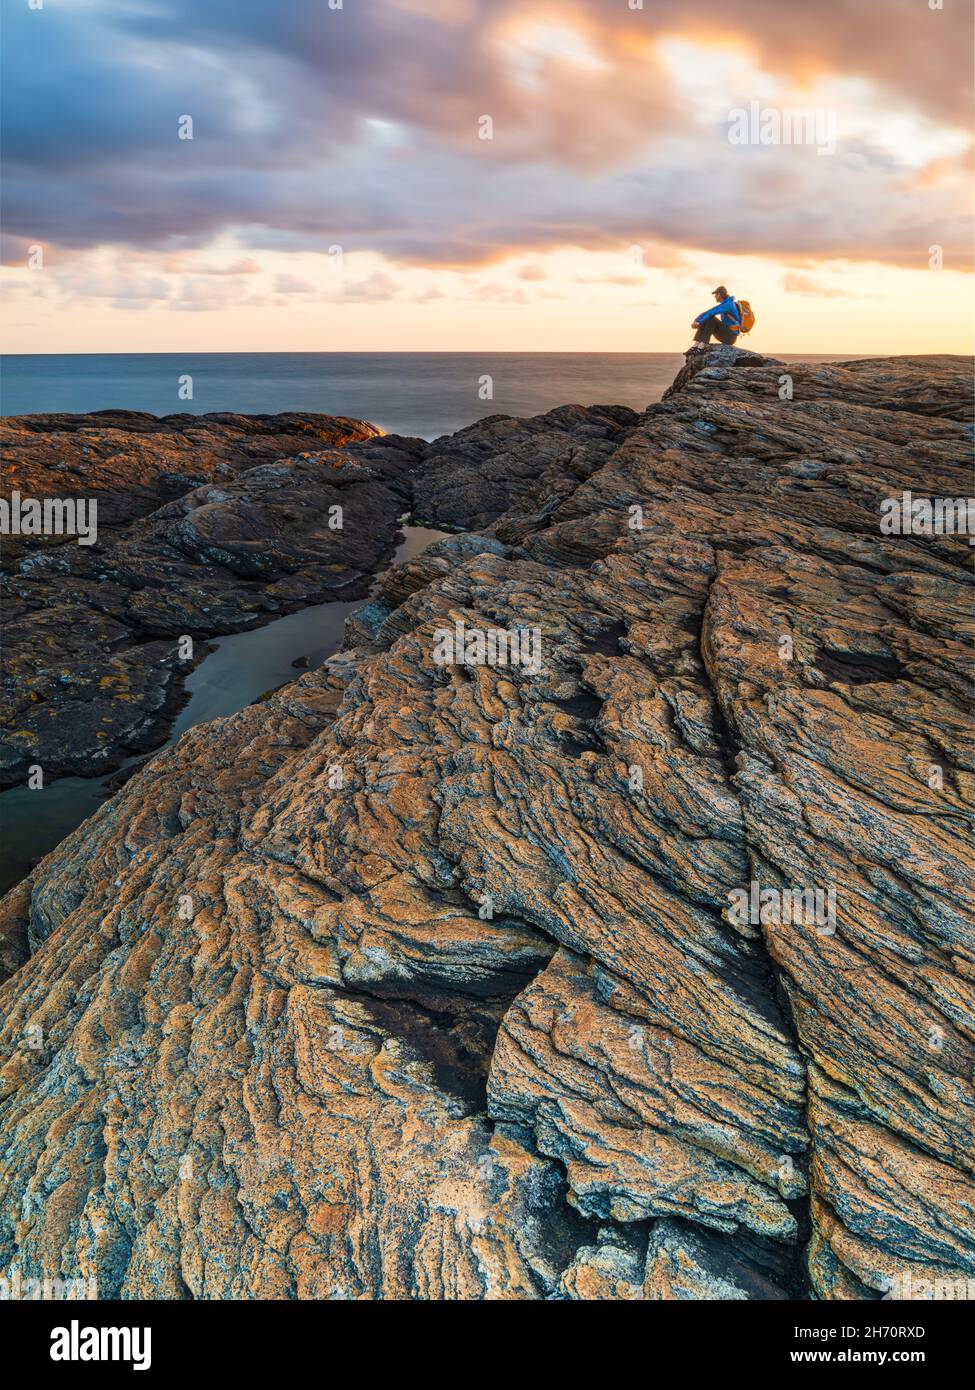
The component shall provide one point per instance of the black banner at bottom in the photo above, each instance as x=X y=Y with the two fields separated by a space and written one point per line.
x=129 y=1338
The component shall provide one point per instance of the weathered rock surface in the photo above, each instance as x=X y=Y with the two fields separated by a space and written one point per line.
x=421 y=980
x=499 y=464
x=205 y=526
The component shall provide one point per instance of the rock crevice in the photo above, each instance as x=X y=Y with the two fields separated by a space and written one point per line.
x=423 y=980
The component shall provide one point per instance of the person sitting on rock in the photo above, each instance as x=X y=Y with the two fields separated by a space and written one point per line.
x=722 y=322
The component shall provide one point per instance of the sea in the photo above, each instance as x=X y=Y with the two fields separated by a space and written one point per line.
x=426 y=394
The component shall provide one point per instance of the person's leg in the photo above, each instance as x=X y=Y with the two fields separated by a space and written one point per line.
x=714 y=328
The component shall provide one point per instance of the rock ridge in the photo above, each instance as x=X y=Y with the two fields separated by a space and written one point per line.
x=422 y=980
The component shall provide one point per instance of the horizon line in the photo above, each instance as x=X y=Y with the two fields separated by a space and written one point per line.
x=461 y=352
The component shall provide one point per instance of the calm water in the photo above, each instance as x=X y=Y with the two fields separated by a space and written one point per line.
x=424 y=394
x=241 y=667
x=419 y=393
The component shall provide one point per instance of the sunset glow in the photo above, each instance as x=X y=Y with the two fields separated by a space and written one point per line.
x=339 y=191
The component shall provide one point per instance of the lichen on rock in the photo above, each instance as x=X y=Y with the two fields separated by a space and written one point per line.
x=474 y=1019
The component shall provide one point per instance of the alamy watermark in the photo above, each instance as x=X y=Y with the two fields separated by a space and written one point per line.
x=15 y=1289
x=494 y=646
x=776 y=125
x=908 y=515
x=77 y=1343
x=784 y=907
x=50 y=516
x=908 y=1286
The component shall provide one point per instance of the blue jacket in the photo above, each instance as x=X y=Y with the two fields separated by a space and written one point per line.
x=729 y=311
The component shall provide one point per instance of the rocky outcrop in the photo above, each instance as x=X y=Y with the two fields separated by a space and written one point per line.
x=428 y=979
x=205 y=525
x=501 y=464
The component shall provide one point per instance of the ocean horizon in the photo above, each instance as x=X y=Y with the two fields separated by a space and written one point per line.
x=426 y=394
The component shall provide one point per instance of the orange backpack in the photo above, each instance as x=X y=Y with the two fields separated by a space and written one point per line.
x=747 y=315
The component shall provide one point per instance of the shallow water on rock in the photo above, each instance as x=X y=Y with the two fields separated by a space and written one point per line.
x=242 y=667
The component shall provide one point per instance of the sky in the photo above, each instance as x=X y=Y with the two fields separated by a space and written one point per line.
x=419 y=175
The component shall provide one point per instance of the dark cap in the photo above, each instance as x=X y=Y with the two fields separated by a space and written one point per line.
x=722 y=290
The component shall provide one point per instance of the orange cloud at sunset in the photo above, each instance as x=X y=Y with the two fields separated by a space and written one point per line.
x=464 y=174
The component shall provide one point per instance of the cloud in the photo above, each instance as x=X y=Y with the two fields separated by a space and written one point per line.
x=375 y=289
x=609 y=279
x=293 y=284
x=199 y=296
x=494 y=293
x=248 y=266
x=359 y=127
x=797 y=283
